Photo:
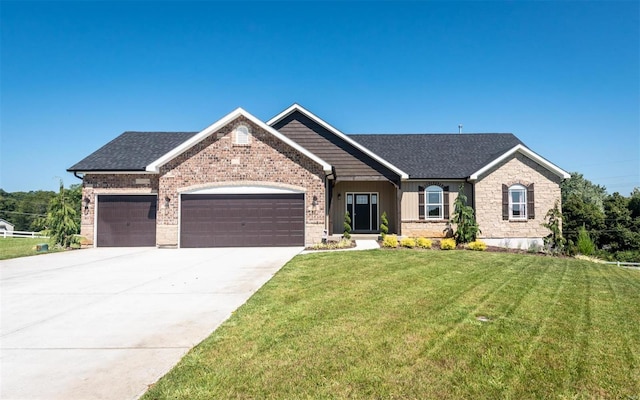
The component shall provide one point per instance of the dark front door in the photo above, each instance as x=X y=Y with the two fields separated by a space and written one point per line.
x=363 y=210
x=242 y=220
x=126 y=221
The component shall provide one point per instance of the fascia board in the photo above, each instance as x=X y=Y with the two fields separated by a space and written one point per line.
x=526 y=152
x=297 y=107
x=155 y=166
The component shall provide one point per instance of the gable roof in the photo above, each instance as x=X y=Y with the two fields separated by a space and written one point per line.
x=148 y=151
x=155 y=165
x=451 y=155
x=382 y=160
x=440 y=156
x=131 y=151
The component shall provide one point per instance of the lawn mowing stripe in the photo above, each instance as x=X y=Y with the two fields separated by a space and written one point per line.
x=453 y=330
x=579 y=357
x=534 y=343
x=628 y=355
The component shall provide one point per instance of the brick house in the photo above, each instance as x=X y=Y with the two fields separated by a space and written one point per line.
x=244 y=182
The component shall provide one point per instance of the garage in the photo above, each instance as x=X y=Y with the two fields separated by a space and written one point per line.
x=126 y=221
x=242 y=220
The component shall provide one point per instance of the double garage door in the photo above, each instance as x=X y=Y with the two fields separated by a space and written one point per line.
x=206 y=220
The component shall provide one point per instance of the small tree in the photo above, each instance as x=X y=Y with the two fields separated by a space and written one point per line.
x=585 y=245
x=61 y=219
x=553 y=221
x=384 y=225
x=463 y=216
x=347 y=226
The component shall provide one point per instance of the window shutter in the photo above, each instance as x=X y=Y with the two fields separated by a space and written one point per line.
x=421 y=202
x=531 y=209
x=445 y=202
x=505 y=202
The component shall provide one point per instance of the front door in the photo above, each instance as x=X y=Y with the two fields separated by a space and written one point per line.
x=363 y=209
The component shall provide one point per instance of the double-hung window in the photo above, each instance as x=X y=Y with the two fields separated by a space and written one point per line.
x=434 y=204
x=517 y=202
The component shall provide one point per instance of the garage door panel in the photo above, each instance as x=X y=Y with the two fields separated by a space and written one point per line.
x=242 y=220
x=126 y=221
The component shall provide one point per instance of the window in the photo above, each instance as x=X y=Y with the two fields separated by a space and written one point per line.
x=517 y=202
x=242 y=135
x=434 y=206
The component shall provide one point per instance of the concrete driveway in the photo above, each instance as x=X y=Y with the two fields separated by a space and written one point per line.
x=106 y=323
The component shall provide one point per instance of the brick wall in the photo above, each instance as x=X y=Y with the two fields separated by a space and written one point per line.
x=488 y=198
x=96 y=184
x=216 y=161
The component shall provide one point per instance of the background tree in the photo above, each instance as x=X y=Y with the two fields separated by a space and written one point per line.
x=463 y=216
x=619 y=233
x=584 y=189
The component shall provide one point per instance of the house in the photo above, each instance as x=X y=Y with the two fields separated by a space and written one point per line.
x=290 y=180
x=6 y=227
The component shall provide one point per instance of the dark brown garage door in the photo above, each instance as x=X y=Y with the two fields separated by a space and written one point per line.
x=126 y=221
x=242 y=220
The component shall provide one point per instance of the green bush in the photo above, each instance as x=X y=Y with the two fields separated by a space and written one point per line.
x=447 y=244
x=408 y=242
x=477 y=245
x=384 y=224
x=347 y=226
x=423 y=243
x=585 y=245
x=390 y=241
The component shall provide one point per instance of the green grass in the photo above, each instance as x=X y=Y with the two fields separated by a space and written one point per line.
x=21 y=247
x=404 y=325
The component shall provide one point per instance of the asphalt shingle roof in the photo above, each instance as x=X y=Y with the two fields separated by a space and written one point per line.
x=430 y=156
x=132 y=151
x=439 y=156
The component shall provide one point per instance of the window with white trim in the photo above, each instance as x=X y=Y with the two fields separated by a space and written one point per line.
x=517 y=202
x=241 y=135
x=433 y=202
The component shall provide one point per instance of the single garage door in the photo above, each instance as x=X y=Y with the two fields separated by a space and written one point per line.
x=242 y=220
x=126 y=221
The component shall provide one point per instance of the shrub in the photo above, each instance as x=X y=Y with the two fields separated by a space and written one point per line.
x=384 y=224
x=347 y=226
x=463 y=216
x=585 y=244
x=447 y=244
x=423 y=243
x=408 y=242
x=477 y=245
x=390 y=241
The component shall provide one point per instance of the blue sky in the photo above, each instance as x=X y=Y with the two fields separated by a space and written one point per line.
x=563 y=76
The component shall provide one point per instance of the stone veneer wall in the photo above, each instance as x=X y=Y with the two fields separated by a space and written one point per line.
x=217 y=161
x=96 y=184
x=488 y=200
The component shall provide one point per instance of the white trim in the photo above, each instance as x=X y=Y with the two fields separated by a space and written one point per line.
x=427 y=203
x=155 y=165
x=519 y=188
x=117 y=172
x=526 y=152
x=297 y=107
x=242 y=190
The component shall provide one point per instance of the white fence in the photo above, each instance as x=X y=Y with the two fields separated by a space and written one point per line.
x=22 y=234
x=623 y=264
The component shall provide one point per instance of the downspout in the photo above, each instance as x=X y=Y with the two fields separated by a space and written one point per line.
x=75 y=173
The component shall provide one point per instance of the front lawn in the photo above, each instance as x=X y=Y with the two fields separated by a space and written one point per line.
x=424 y=324
x=20 y=247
